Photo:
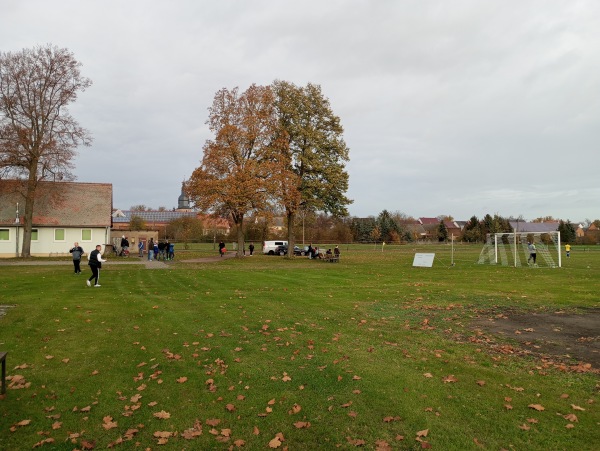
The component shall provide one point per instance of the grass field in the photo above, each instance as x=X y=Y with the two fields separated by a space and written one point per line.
x=267 y=352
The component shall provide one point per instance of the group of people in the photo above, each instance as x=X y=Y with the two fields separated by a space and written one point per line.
x=95 y=261
x=163 y=250
x=315 y=252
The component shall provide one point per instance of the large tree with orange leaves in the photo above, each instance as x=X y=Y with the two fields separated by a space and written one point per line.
x=241 y=166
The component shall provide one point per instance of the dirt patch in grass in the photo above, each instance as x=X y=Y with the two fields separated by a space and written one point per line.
x=563 y=336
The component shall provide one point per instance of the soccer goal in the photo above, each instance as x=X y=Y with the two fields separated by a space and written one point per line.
x=512 y=249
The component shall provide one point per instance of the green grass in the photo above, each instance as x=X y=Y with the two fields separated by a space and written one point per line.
x=352 y=344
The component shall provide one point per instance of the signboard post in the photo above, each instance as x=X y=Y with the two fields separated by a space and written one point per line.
x=423 y=260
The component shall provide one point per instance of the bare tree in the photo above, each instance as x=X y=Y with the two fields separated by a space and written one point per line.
x=38 y=136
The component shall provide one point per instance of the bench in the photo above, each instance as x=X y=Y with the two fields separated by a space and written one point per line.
x=332 y=258
x=3 y=360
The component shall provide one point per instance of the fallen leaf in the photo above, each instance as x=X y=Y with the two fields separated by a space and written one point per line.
x=537 y=407
x=162 y=415
x=275 y=443
x=302 y=424
x=43 y=442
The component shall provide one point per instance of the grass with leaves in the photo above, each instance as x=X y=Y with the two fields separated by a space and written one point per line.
x=266 y=352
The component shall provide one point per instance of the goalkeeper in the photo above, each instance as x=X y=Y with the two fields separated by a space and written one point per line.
x=532 y=252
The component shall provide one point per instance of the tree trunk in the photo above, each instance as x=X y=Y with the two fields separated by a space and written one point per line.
x=28 y=216
x=239 y=224
x=291 y=216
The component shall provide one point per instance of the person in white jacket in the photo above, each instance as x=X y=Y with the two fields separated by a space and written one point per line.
x=95 y=261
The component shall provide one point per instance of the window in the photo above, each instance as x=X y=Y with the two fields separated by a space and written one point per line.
x=86 y=234
x=59 y=234
x=34 y=235
x=4 y=235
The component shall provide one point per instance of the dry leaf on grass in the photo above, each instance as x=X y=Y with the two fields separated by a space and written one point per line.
x=162 y=415
x=302 y=424
x=537 y=407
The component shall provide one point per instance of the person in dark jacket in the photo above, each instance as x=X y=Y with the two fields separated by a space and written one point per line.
x=77 y=252
x=95 y=261
x=221 y=248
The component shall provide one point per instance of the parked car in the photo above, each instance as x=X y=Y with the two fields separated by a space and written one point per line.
x=269 y=247
x=283 y=250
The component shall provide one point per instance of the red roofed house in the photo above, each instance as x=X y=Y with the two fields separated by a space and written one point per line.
x=63 y=212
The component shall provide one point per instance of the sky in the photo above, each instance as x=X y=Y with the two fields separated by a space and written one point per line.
x=449 y=107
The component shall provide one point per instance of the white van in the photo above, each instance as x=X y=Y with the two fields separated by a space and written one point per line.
x=270 y=246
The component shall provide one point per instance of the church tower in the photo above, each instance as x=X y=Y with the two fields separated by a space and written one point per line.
x=183 y=202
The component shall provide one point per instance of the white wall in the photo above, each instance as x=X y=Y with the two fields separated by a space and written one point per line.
x=47 y=246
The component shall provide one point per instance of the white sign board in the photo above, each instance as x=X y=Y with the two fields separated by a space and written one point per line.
x=423 y=260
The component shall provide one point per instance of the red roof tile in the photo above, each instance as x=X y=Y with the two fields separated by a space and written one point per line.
x=69 y=204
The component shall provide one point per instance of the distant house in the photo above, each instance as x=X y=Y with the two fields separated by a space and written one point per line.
x=416 y=230
x=64 y=212
x=592 y=234
x=454 y=230
x=579 y=230
x=430 y=226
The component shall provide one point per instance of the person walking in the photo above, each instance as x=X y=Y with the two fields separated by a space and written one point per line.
x=95 y=263
x=567 y=250
x=251 y=248
x=141 y=248
x=77 y=252
x=221 y=248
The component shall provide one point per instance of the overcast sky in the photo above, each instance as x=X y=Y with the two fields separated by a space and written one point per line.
x=458 y=107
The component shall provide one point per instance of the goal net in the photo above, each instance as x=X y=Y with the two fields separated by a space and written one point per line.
x=512 y=249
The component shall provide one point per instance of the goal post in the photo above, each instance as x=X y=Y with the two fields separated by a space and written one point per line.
x=512 y=249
